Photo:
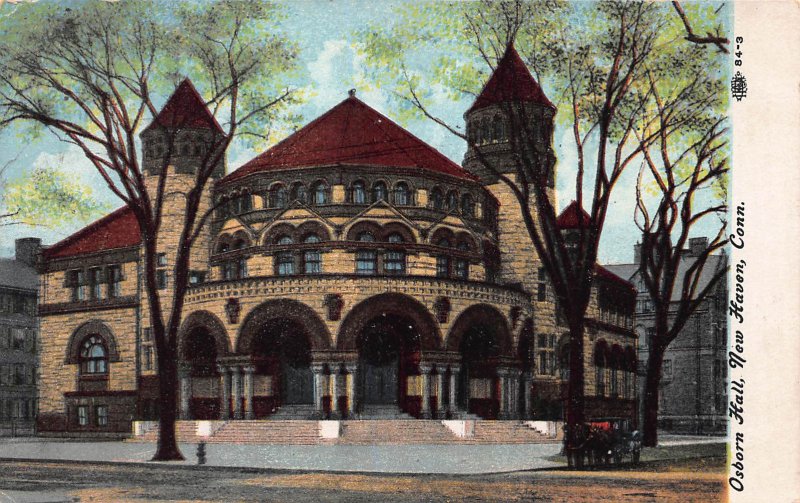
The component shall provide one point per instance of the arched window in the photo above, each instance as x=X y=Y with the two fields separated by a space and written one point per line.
x=366 y=259
x=312 y=260
x=284 y=259
x=443 y=260
x=379 y=192
x=437 y=199
x=461 y=264
x=242 y=204
x=299 y=193
x=486 y=131
x=467 y=205
x=239 y=244
x=402 y=194
x=278 y=197
x=223 y=247
x=395 y=259
x=319 y=193
x=451 y=203
x=358 y=194
x=94 y=357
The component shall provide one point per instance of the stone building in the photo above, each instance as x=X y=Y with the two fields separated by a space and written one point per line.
x=18 y=340
x=693 y=392
x=350 y=271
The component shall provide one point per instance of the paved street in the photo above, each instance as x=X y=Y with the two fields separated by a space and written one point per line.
x=700 y=480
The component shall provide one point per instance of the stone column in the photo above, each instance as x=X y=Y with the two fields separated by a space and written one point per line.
x=319 y=390
x=425 y=371
x=334 y=390
x=528 y=397
x=185 y=376
x=352 y=374
x=515 y=377
x=439 y=392
x=236 y=391
x=502 y=397
x=249 y=413
x=225 y=397
x=451 y=406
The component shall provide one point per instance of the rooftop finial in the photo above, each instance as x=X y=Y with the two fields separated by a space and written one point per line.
x=351 y=92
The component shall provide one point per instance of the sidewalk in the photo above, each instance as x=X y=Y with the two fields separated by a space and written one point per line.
x=400 y=459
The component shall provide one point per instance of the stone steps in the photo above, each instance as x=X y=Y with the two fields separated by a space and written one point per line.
x=283 y=432
x=388 y=432
x=504 y=432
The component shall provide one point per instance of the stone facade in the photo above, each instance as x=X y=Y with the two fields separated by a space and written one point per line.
x=340 y=276
x=693 y=391
x=18 y=339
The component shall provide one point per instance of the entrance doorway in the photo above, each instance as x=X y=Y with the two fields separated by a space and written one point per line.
x=201 y=352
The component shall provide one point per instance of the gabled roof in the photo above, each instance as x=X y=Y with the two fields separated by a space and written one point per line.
x=511 y=81
x=18 y=275
x=602 y=272
x=119 y=229
x=573 y=217
x=185 y=109
x=351 y=133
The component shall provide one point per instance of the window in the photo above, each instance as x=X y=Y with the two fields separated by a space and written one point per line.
x=18 y=338
x=395 y=260
x=76 y=280
x=96 y=283
x=402 y=194
x=161 y=260
x=242 y=204
x=541 y=292
x=358 y=194
x=101 y=415
x=278 y=198
x=148 y=352
x=614 y=390
x=299 y=193
x=114 y=281
x=20 y=374
x=93 y=358
x=467 y=206
x=161 y=279
x=197 y=277
x=666 y=370
x=319 y=193
x=366 y=260
x=285 y=259
x=379 y=192
x=83 y=415
x=600 y=380
x=452 y=201
x=461 y=269
x=499 y=132
x=5 y=336
x=437 y=199
x=312 y=261
x=443 y=261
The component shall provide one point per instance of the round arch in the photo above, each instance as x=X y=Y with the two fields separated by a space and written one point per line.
x=485 y=315
x=91 y=327
x=209 y=322
x=389 y=303
x=318 y=333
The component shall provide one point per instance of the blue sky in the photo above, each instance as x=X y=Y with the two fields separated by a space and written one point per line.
x=324 y=31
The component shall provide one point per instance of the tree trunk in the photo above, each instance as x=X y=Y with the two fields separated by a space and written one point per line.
x=652 y=381
x=575 y=392
x=167 y=448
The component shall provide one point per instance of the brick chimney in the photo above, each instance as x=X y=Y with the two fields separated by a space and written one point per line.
x=697 y=245
x=26 y=250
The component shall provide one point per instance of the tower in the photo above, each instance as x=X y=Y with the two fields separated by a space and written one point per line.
x=181 y=138
x=512 y=119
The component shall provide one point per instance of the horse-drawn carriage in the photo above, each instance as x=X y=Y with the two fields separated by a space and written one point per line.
x=602 y=441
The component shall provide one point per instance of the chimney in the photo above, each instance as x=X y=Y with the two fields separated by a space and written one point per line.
x=637 y=253
x=26 y=250
x=697 y=245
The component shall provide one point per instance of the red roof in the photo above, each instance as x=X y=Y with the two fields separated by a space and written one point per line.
x=573 y=217
x=602 y=272
x=511 y=81
x=351 y=133
x=119 y=229
x=185 y=108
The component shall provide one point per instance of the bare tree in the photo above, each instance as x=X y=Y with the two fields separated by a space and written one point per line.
x=685 y=181
x=91 y=73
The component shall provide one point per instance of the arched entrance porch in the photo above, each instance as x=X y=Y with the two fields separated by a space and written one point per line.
x=202 y=342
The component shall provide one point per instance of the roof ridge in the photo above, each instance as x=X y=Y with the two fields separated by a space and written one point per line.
x=200 y=107
x=87 y=228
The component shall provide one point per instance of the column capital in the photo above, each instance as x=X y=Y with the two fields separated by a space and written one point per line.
x=351 y=367
x=223 y=369
x=455 y=367
x=248 y=369
x=426 y=368
x=318 y=367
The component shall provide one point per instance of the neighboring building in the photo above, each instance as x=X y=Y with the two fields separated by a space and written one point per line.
x=18 y=341
x=693 y=393
x=351 y=271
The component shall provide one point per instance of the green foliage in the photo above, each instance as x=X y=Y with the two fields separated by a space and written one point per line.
x=50 y=197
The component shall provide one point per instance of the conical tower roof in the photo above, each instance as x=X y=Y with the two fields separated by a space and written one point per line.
x=511 y=81
x=185 y=109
